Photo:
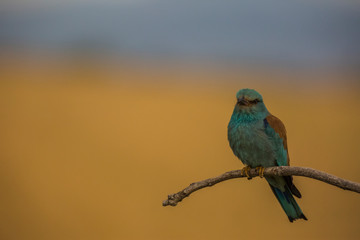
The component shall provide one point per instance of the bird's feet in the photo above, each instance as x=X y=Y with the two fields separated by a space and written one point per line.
x=260 y=171
x=245 y=171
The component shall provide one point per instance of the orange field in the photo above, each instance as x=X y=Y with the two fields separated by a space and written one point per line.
x=89 y=152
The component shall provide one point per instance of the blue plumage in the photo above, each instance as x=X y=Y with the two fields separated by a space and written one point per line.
x=258 y=139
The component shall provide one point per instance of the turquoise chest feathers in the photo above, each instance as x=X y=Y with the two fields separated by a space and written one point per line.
x=249 y=141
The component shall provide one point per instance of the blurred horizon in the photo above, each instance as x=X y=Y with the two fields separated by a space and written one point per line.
x=296 y=34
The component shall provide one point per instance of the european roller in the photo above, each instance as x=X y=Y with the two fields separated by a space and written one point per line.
x=258 y=139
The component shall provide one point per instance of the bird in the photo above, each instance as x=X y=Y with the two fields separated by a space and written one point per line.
x=259 y=140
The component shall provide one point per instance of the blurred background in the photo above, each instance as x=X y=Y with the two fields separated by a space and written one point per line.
x=107 y=107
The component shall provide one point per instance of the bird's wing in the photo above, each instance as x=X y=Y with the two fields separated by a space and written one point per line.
x=279 y=128
x=275 y=129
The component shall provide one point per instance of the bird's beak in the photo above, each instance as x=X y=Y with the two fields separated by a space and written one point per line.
x=242 y=101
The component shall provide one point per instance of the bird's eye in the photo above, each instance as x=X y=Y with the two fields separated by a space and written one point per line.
x=255 y=101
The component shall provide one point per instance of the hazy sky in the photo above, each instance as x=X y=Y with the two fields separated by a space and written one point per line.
x=299 y=32
x=49 y=3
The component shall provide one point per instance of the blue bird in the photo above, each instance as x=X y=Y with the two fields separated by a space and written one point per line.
x=258 y=139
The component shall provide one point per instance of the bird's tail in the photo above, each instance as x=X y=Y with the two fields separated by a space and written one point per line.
x=288 y=203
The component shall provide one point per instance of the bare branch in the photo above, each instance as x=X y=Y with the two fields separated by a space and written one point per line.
x=173 y=199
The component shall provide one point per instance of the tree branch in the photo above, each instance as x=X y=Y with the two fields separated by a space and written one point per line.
x=173 y=199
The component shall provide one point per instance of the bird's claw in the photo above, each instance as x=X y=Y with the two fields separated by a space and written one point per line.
x=245 y=172
x=260 y=171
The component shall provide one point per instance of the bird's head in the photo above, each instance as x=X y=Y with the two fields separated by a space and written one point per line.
x=249 y=102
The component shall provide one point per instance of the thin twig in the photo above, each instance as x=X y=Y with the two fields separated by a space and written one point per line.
x=173 y=199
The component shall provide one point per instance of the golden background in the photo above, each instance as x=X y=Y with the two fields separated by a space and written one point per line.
x=89 y=152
